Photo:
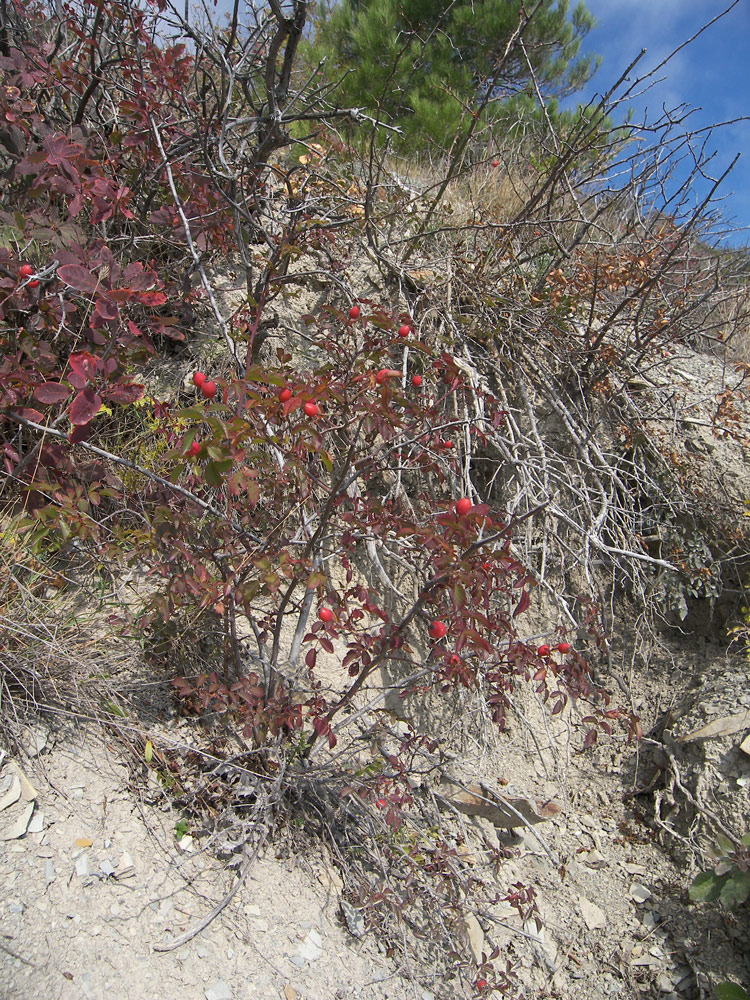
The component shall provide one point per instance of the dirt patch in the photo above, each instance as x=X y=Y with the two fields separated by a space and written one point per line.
x=86 y=899
x=100 y=881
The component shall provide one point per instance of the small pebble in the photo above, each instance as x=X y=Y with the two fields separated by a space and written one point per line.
x=219 y=991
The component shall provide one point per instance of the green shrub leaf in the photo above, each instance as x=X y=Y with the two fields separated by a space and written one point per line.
x=706 y=888
x=736 y=890
x=730 y=991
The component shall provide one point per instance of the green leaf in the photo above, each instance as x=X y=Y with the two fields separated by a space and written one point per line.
x=725 y=844
x=215 y=471
x=192 y=413
x=730 y=991
x=736 y=890
x=252 y=492
x=705 y=888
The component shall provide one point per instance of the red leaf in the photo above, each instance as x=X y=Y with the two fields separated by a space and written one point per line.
x=28 y=414
x=326 y=644
x=320 y=725
x=152 y=298
x=106 y=309
x=126 y=392
x=85 y=406
x=79 y=433
x=84 y=364
x=311 y=657
x=292 y=404
x=121 y=294
x=523 y=603
x=591 y=737
x=138 y=279
x=51 y=392
x=78 y=277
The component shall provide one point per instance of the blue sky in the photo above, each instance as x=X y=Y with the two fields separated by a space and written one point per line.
x=712 y=75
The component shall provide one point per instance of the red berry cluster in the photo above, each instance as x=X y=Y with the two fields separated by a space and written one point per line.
x=26 y=271
x=561 y=647
x=206 y=386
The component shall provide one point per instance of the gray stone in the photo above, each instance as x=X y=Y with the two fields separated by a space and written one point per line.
x=639 y=893
x=20 y=826
x=593 y=915
x=125 y=861
x=11 y=793
x=37 y=822
x=311 y=947
x=219 y=991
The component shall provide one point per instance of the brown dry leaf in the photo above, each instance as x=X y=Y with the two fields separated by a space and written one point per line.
x=84 y=841
x=28 y=792
x=719 y=727
x=505 y=812
x=289 y=992
x=548 y=809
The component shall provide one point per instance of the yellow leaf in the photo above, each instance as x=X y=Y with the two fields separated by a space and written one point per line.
x=148 y=753
x=84 y=841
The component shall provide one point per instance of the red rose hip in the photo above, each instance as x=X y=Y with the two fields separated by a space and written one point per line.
x=194 y=448
x=285 y=395
x=463 y=506
x=544 y=650
x=198 y=379
x=25 y=271
x=208 y=389
x=325 y=615
x=311 y=409
x=416 y=381
x=563 y=647
x=354 y=312
x=404 y=330
x=438 y=630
